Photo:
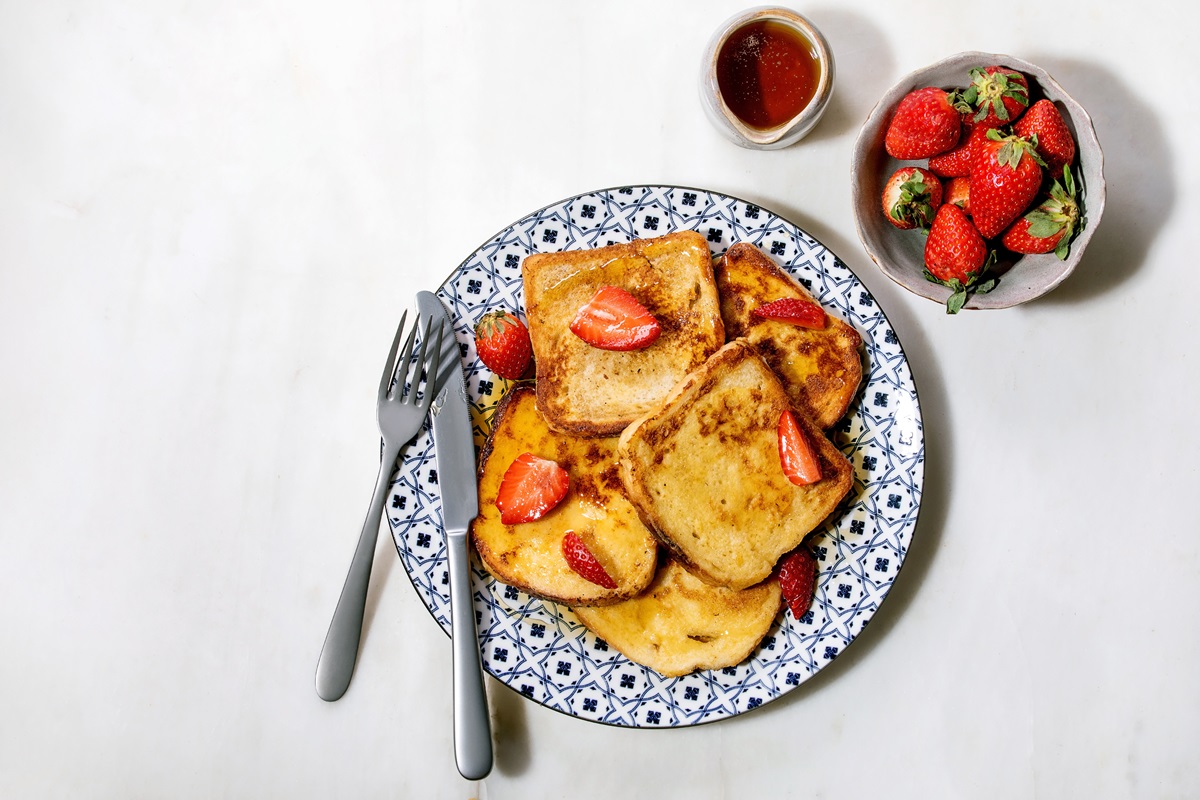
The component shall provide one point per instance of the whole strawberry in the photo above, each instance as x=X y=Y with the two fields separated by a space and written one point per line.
x=1044 y=125
x=502 y=342
x=956 y=256
x=958 y=192
x=925 y=124
x=956 y=163
x=1005 y=178
x=1050 y=226
x=996 y=96
x=911 y=197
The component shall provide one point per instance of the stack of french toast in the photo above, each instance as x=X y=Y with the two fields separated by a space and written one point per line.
x=676 y=470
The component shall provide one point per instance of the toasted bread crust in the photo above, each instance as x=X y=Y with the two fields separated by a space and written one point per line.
x=682 y=624
x=821 y=369
x=529 y=556
x=587 y=391
x=703 y=471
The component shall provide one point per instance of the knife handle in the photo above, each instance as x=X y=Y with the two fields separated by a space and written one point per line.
x=472 y=726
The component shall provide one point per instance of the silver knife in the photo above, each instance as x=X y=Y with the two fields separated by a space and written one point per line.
x=455 y=448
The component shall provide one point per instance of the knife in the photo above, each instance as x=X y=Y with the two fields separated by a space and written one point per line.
x=455 y=447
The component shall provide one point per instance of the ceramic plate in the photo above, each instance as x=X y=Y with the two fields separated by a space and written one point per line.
x=539 y=648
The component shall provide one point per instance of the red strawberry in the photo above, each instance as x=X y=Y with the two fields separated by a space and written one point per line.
x=1005 y=179
x=958 y=192
x=925 y=124
x=614 y=320
x=798 y=580
x=956 y=256
x=996 y=96
x=502 y=342
x=796 y=456
x=530 y=488
x=1045 y=127
x=956 y=163
x=794 y=310
x=911 y=197
x=581 y=560
x=1049 y=226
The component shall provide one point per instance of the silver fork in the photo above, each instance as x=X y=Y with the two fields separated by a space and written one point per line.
x=400 y=415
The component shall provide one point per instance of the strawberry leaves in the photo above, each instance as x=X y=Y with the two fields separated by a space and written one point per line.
x=957 y=257
x=995 y=97
x=1051 y=225
x=911 y=198
x=962 y=291
x=502 y=344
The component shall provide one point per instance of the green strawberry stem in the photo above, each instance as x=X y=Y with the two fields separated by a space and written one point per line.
x=1058 y=213
x=987 y=92
x=914 y=203
x=975 y=284
x=1013 y=148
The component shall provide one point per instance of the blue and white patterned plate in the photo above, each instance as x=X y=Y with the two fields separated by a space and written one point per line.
x=539 y=648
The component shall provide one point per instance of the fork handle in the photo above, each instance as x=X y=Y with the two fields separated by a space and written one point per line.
x=335 y=667
x=472 y=726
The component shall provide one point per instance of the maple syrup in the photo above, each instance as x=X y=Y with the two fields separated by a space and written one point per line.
x=767 y=72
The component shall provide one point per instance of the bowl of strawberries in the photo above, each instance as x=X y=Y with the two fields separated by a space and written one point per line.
x=978 y=182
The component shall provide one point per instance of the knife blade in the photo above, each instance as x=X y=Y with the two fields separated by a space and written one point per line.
x=455 y=447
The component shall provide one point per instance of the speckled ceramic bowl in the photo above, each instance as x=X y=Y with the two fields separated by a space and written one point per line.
x=900 y=254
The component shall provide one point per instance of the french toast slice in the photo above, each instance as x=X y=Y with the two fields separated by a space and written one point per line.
x=820 y=368
x=589 y=391
x=704 y=471
x=529 y=555
x=681 y=624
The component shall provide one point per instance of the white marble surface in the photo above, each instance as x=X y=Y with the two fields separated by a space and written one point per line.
x=210 y=216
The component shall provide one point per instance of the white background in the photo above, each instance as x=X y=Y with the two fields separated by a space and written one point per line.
x=211 y=216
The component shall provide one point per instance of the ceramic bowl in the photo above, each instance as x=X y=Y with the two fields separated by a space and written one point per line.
x=719 y=112
x=900 y=253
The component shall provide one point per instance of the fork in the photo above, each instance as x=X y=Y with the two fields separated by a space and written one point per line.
x=400 y=415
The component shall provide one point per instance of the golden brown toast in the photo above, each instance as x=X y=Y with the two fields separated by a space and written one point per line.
x=529 y=555
x=821 y=369
x=592 y=392
x=682 y=624
x=704 y=471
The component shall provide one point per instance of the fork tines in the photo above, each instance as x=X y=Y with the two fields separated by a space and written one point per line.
x=396 y=381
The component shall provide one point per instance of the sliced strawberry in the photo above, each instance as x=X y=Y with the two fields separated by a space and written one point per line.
x=614 y=320
x=798 y=580
x=796 y=455
x=793 y=310
x=530 y=488
x=580 y=559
